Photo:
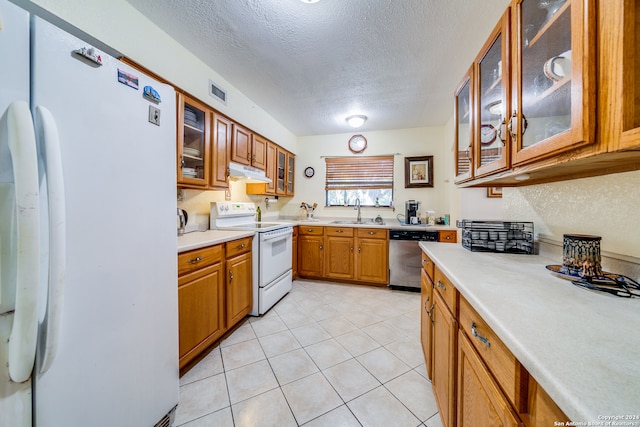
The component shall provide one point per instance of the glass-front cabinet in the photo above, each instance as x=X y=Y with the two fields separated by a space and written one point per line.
x=291 y=167
x=553 y=106
x=491 y=152
x=193 y=142
x=281 y=168
x=631 y=74
x=462 y=128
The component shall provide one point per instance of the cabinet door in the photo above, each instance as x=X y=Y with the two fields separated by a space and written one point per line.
x=221 y=151
x=426 y=324
x=372 y=260
x=463 y=126
x=480 y=402
x=444 y=359
x=491 y=152
x=339 y=257
x=200 y=311
x=291 y=167
x=310 y=255
x=281 y=171
x=294 y=253
x=272 y=168
x=193 y=142
x=241 y=145
x=553 y=103
x=259 y=152
x=624 y=19
x=239 y=289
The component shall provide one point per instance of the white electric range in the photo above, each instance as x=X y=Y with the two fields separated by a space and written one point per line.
x=271 y=251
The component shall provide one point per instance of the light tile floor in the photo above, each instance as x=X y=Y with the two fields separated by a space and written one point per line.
x=326 y=355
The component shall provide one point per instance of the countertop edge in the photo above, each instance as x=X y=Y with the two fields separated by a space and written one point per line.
x=201 y=239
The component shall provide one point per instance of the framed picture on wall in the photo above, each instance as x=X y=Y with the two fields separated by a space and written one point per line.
x=418 y=172
x=494 y=192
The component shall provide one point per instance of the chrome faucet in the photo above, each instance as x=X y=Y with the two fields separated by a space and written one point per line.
x=357 y=206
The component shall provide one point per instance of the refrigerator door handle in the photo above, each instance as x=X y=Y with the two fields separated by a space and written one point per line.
x=24 y=158
x=47 y=131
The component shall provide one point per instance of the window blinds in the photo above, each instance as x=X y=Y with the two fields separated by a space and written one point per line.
x=353 y=173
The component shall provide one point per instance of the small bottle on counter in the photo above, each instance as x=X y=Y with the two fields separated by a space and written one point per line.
x=431 y=217
x=258 y=214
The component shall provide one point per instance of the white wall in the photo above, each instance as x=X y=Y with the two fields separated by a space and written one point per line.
x=427 y=141
x=120 y=26
x=606 y=206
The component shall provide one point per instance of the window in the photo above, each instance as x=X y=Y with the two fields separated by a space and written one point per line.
x=369 y=179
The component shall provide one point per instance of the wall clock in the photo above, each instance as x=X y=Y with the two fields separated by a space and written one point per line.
x=309 y=172
x=487 y=134
x=357 y=144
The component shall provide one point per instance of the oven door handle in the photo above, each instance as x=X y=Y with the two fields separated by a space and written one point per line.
x=275 y=237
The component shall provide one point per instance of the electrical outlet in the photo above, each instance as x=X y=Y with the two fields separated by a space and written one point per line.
x=154 y=115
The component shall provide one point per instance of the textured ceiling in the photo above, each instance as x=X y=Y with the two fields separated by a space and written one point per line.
x=311 y=65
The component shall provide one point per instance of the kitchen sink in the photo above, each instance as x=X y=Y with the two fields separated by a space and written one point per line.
x=358 y=222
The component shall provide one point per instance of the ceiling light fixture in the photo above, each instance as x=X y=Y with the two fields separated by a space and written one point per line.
x=356 y=121
x=309 y=1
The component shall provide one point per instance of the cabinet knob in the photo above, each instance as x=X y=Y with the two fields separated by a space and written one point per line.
x=195 y=260
x=340 y=231
x=425 y=262
x=320 y=247
x=230 y=276
x=372 y=232
x=240 y=246
x=441 y=286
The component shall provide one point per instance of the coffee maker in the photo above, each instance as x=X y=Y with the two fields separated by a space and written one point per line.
x=411 y=212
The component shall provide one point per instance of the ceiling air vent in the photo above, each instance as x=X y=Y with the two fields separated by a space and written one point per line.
x=217 y=92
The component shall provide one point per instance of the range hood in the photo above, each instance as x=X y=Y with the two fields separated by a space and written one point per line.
x=245 y=173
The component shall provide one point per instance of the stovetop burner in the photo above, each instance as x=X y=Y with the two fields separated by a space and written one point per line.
x=614 y=284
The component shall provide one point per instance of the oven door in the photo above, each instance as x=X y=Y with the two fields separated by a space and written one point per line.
x=275 y=254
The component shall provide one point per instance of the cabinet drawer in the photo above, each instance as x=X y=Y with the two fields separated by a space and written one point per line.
x=427 y=265
x=339 y=231
x=446 y=289
x=448 y=236
x=198 y=258
x=237 y=247
x=372 y=233
x=501 y=362
x=314 y=231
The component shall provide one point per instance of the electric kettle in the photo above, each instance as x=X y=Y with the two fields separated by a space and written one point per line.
x=182 y=221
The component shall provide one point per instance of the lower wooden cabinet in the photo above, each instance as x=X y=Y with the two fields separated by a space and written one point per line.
x=476 y=379
x=239 y=290
x=359 y=255
x=214 y=294
x=426 y=324
x=444 y=360
x=200 y=302
x=480 y=401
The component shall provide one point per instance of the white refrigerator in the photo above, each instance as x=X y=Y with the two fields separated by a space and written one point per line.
x=88 y=274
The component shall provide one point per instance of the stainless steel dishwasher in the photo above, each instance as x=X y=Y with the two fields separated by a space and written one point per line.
x=405 y=257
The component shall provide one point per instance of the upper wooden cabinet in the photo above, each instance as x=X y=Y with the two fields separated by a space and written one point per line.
x=491 y=151
x=193 y=142
x=553 y=106
x=247 y=148
x=572 y=96
x=220 y=151
x=463 y=128
x=280 y=168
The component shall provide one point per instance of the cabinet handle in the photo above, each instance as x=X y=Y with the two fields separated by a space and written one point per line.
x=447 y=237
x=320 y=247
x=372 y=232
x=359 y=249
x=240 y=246
x=230 y=276
x=181 y=162
x=194 y=260
x=249 y=157
x=484 y=340
x=351 y=249
x=309 y=230
x=441 y=286
x=425 y=262
x=340 y=231
x=513 y=121
x=467 y=153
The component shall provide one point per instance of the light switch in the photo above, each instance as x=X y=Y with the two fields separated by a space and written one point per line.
x=154 y=115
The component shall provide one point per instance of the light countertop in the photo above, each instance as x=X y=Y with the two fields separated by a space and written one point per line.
x=201 y=239
x=582 y=347
x=367 y=222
